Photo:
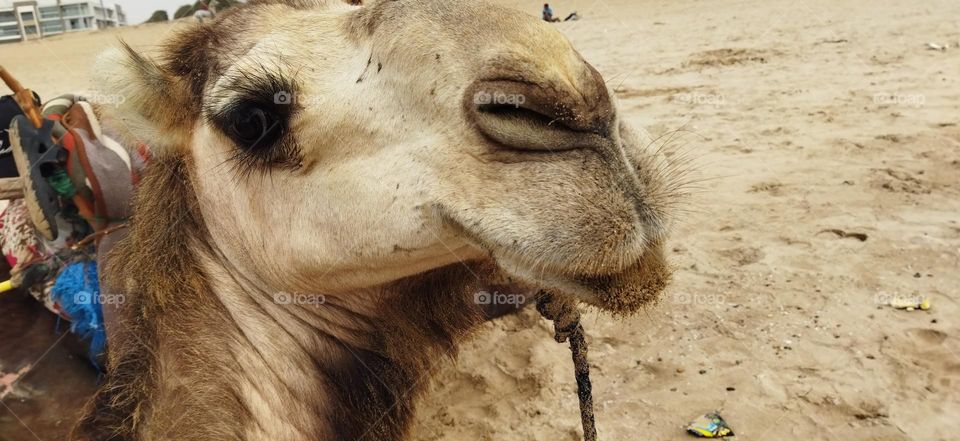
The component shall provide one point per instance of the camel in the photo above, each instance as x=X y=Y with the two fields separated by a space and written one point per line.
x=331 y=187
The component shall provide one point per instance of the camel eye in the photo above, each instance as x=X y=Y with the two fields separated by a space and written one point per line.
x=254 y=128
x=259 y=128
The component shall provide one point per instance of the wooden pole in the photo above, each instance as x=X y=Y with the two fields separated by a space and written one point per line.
x=23 y=97
x=11 y=188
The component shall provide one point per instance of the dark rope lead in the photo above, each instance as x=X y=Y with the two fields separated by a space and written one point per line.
x=566 y=324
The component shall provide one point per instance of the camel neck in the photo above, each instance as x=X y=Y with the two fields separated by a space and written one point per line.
x=282 y=348
x=343 y=367
x=204 y=353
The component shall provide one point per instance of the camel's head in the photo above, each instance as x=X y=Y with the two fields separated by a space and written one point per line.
x=336 y=148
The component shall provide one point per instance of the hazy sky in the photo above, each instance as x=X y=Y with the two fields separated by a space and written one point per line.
x=138 y=11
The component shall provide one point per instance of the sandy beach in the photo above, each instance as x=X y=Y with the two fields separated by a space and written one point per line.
x=825 y=142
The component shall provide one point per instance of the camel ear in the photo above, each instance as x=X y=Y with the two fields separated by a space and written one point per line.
x=140 y=102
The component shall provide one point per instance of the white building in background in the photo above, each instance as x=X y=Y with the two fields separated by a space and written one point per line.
x=30 y=19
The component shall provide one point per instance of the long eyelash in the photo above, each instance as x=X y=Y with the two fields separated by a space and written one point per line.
x=261 y=83
x=285 y=154
x=258 y=87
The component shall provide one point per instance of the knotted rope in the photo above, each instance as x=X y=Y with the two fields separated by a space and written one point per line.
x=566 y=325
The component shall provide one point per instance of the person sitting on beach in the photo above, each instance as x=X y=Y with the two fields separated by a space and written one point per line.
x=548 y=15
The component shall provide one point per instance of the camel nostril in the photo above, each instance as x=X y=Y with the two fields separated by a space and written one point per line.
x=526 y=116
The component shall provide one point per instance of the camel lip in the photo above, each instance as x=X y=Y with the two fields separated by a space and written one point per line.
x=624 y=292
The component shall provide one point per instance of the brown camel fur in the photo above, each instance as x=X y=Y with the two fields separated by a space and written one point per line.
x=381 y=165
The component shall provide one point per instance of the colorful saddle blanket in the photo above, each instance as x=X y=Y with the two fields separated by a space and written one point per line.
x=79 y=187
